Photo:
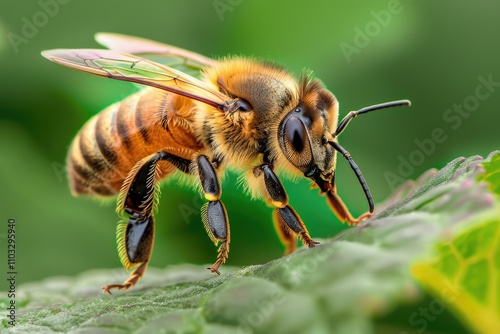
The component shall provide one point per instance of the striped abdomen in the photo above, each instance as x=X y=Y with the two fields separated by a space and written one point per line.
x=113 y=141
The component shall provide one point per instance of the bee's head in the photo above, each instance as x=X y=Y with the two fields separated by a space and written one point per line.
x=307 y=135
x=305 y=132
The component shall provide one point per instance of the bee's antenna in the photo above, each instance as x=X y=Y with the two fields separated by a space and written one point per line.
x=357 y=171
x=352 y=114
x=342 y=125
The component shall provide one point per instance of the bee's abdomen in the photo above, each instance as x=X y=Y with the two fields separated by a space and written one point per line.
x=113 y=141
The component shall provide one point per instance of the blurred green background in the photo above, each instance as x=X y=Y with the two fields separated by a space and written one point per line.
x=431 y=52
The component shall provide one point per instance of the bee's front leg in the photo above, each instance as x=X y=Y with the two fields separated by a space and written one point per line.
x=136 y=201
x=341 y=210
x=213 y=213
x=287 y=221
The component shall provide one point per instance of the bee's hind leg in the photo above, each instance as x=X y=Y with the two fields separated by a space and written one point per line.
x=135 y=236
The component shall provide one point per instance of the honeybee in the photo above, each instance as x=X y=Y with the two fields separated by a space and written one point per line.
x=250 y=115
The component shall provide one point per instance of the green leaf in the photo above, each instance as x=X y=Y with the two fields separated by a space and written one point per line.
x=428 y=260
x=465 y=268
x=491 y=173
x=465 y=274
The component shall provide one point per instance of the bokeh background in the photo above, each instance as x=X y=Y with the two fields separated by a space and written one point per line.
x=432 y=52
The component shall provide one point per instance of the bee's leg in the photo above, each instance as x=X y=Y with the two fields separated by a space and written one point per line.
x=213 y=213
x=341 y=210
x=286 y=235
x=286 y=220
x=136 y=200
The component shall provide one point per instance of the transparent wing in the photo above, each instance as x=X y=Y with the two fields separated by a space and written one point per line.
x=180 y=59
x=127 y=67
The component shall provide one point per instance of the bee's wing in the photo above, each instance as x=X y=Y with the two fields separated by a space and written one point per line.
x=127 y=67
x=180 y=59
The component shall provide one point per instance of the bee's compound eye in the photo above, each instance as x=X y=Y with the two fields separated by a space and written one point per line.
x=243 y=105
x=295 y=134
